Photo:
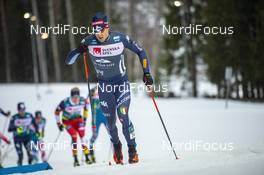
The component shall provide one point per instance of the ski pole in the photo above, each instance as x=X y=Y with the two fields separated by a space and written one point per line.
x=8 y=150
x=164 y=127
x=87 y=78
x=5 y=125
x=109 y=154
x=82 y=158
x=3 y=133
x=4 y=128
x=55 y=141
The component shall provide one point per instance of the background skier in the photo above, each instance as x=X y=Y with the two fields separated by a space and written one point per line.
x=97 y=119
x=21 y=124
x=74 y=121
x=37 y=137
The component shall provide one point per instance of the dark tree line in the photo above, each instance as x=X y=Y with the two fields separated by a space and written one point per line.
x=16 y=48
x=242 y=51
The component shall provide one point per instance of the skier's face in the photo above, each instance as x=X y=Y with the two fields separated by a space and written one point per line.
x=21 y=112
x=75 y=99
x=102 y=35
x=95 y=94
x=38 y=119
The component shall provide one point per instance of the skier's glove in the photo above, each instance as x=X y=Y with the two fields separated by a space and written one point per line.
x=8 y=113
x=60 y=126
x=38 y=134
x=82 y=48
x=147 y=79
x=8 y=142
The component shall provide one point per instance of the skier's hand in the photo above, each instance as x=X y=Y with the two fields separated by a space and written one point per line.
x=147 y=79
x=38 y=134
x=150 y=91
x=82 y=48
x=94 y=129
x=41 y=134
x=60 y=126
x=6 y=140
x=8 y=113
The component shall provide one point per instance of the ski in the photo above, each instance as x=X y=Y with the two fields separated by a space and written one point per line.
x=107 y=164
x=103 y=163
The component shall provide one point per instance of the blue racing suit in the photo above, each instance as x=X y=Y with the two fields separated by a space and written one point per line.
x=114 y=90
x=97 y=119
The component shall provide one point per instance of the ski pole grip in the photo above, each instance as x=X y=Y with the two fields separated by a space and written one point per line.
x=85 y=65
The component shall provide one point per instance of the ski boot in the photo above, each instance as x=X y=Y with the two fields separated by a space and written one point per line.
x=133 y=156
x=30 y=160
x=92 y=156
x=87 y=159
x=118 y=156
x=19 y=162
x=76 y=162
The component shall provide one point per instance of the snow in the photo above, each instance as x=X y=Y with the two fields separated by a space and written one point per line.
x=238 y=133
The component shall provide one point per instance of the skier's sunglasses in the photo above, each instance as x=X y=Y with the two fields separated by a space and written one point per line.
x=21 y=110
x=101 y=31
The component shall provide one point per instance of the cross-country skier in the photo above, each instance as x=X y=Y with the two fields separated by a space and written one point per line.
x=21 y=124
x=74 y=121
x=2 y=137
x=97 y=120
x=106 y=50
x=37 y=138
